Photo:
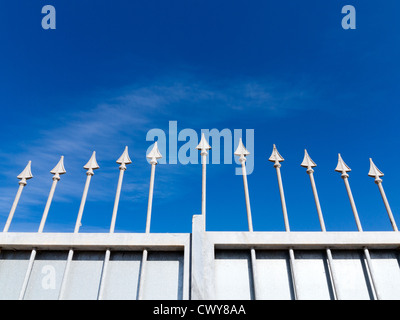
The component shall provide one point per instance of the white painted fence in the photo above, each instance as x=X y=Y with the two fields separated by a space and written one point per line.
x=203 y=264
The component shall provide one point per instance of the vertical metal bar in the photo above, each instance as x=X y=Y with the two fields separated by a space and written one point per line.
x=103 y=275
x=372 y=274
x=203 y=146
x=323 y=228
x=117 y=196
x=293 y=272
x=316 y=199
x=48 y=204
x=90 y=166
x=387 y=206
x=123 y=160
x=250 y=222
x=277 y=158
x=343 y=168
x=27 y=275
x=242 y=152
x=57 y=171
x=148 y=221
x=310 y=164
x=153 y=155
x=142 y=275
x=76 y=230
x=83 y=202
x=66 y=274
x=254 y=271
x=352 y=203
x=203 y=186
x=366 y=251
x=23 y=176
x=333 y=275
x=14 y=206
x=150 y=201
x=246 y=195
x=282 y=196
x=112 y=228
x=41 y=227
x=377 y=174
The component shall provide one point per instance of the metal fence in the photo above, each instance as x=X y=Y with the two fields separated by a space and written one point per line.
x=203 y=264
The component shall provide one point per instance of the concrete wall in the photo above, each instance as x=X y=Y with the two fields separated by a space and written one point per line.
x=233 y=275
x=203 y=265
x=164 y=275
x=223 y=267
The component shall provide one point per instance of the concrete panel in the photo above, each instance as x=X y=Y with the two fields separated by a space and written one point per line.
x=164 y=276
x=387 y=273
x=122 y=278
x=220 y=265
x=233 y=276
x=312 y=275
x=352 y=275
x=85 y=274
x=202 y=262
x=274 y=278
x=13 y=265
x=46 y=276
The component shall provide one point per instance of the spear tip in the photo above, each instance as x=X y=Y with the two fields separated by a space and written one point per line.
x=307 y=161
x=203 y=145
x=275 y=155
x=342 y=166
x=124 y=158
x=154 y=153
x=373 y=170
x=26 y=173
x=92 y=163
x=241 y=150
x=59 y=168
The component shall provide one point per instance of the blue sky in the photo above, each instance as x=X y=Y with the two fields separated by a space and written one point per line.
x=114 y=70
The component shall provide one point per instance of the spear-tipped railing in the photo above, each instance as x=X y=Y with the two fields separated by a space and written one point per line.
x=26 y=174
x=123 y=160
x=377 y=174
x=242 y=152
x=203 y=147
x=276 y=158
x=57 y=171
x=344 y=169
x=89 y=166
x=153 y=155
x=310 y=164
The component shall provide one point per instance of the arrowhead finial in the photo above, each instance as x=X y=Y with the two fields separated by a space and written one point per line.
x=308 y=162
x=342 y=167
x=154 y=154
x=241 y=151
x=375 y=172
x=26 y=173
x=124 y=159
x=58 y=169
x=276 y=157
x=203 y=145
x=92 y=164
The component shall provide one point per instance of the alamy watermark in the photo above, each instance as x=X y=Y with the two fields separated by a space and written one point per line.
x=223 y=144
x=49 y=277
x=49 y=20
